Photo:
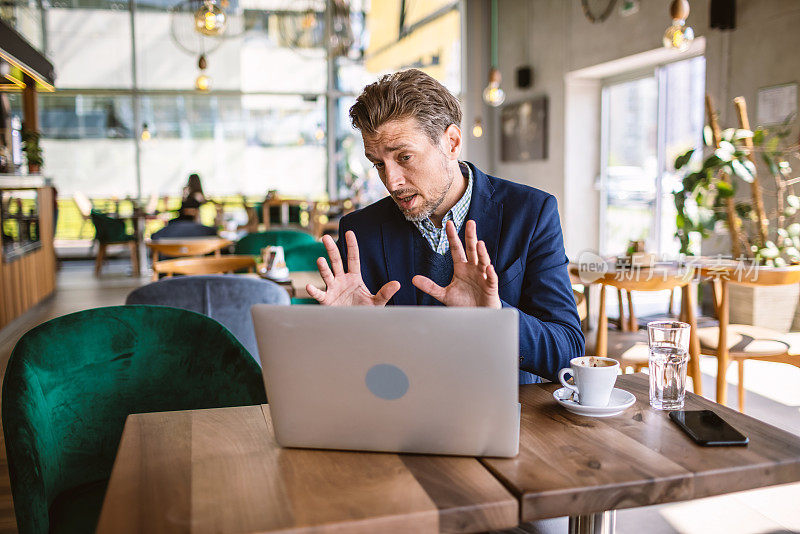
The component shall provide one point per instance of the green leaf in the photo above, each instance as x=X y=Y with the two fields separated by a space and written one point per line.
x=758 y=137
x=683 y=159
x=712 y=162
x=741 y=171
x=793 y=201
x=725 y=189
x=772 y=144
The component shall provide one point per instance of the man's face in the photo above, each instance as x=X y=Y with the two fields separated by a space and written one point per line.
x=416 y=172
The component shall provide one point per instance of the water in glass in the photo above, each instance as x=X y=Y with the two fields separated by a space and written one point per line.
x=667 y=368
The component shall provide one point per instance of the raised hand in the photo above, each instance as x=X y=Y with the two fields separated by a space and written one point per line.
x=347 y=289
x=474 y=279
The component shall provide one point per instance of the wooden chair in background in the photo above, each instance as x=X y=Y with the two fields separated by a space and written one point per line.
x=210 y=265
x=177 y=248
x=85 y=207
x=740 y=342
x=580 y=302
x=112 y=231
x=630 y=346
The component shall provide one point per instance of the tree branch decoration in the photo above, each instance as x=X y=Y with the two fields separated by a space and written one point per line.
x=709 y=190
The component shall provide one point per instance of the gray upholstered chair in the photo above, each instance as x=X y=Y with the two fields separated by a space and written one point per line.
x=225 y=298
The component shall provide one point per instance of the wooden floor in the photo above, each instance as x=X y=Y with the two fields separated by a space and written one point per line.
x=769 y=510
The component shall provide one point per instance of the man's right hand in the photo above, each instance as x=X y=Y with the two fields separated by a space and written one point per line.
x=347 y=289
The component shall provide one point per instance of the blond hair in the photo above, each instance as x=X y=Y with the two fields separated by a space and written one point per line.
x=404 y=94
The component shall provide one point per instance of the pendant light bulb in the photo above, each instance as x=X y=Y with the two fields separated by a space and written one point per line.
x=679 y=36
x=494 y=95
x=477 y=128
x=209 y=19
x=145 y=132
x=203 y=82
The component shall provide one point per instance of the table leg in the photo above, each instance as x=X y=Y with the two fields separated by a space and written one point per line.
x=600 y=523
x=688 y=311
x=138 y=223
x=723 y=359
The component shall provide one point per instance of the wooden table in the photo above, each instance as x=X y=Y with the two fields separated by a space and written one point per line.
x=296 y=285
x=221 y=470
x=581 y=466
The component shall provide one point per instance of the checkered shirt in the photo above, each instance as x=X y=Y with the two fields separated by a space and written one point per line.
x=437 y=237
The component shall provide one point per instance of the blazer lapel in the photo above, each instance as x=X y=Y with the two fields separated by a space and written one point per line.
x=398 y=252
x=486 y=213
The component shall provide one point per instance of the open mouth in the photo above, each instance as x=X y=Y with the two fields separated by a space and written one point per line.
x=407 y=201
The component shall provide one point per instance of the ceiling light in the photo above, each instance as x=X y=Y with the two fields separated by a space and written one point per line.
x=209 y=19
x=678 y=35
x=477 y=128
x=493 y=95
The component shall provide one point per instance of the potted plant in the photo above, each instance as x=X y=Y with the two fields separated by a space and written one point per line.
x=33 y=152
x=767 y=236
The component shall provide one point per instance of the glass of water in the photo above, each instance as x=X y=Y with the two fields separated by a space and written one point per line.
x=669 y=355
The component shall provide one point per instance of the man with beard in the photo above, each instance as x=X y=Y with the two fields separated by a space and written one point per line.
x=512 y=253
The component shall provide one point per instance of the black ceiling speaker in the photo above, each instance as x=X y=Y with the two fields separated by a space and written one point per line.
x=723 y=14
x=524 y=77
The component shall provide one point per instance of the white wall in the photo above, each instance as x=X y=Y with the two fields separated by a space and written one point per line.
x=555 y=38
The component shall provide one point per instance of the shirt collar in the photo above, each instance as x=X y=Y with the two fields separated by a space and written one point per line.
x=458 y=212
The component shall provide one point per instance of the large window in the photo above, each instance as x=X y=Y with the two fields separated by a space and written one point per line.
x=648 y=120
x=127 y=119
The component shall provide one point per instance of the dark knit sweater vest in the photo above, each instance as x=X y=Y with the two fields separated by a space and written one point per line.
x=437 y=267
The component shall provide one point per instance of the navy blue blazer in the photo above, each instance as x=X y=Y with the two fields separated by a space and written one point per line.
x=522 y=232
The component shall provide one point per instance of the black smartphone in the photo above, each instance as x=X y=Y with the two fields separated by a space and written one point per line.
x=707 y=428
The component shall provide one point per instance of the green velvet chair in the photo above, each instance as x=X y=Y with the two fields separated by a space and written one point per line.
x=112 y=231
x=286 y=238
x=72 y=381
x=304 y=257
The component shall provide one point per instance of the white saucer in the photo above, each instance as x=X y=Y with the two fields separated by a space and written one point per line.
x=620 y=401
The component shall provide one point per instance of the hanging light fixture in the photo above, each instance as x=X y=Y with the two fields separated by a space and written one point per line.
x=477 y=127
x=203 y=82
x=493 y=95
x=678 y=35
x=210 y=19
x=145 y=132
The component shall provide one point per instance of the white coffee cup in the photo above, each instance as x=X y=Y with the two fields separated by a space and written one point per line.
x=594 y=379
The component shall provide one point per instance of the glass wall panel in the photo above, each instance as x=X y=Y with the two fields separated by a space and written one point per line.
x=260 y=51
x=632 y=163
x=356 y=174
x=684 y=120
x=25 y=17
x=90 y=48
x=87 y=144
x=246 y=145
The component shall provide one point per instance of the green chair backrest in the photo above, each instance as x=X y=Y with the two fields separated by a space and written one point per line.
x=72 y=381
x=286 y=238
x=275 y=215
x=304 y=257
x=108 y=229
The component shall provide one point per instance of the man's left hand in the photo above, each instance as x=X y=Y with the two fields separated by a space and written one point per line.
x=474 y=279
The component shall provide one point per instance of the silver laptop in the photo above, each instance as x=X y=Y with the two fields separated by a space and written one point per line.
x=410 y=379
